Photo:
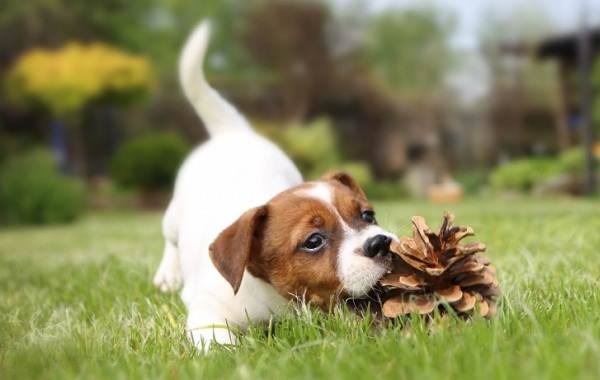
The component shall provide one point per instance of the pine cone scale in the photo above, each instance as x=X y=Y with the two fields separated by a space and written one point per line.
x=466 y=303
x=451 y=294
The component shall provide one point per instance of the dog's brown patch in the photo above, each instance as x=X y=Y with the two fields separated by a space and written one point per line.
x=295 y=272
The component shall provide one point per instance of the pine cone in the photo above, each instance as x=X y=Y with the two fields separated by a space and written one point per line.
x=430 y=269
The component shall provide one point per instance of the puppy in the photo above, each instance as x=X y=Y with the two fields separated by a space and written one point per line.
x=244 y=234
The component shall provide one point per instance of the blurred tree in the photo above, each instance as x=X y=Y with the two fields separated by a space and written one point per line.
x=524 y=92
x=596 y=101
x=525 y=22
x=409 y=52
x=64 y=81
x=314 y=68
x=289 y=40
x=409 y=56
x=519 y=29
x=155 y=28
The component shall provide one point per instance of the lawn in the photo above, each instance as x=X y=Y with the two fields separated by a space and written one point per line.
x=77 y=301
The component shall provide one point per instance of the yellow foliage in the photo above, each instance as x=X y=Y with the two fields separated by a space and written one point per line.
x=64 y=80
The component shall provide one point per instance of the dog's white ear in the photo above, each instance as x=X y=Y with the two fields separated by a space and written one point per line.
x=232 y=249
x=345 y=179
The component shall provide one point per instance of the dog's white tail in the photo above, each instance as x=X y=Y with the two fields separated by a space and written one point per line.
x=217 y=113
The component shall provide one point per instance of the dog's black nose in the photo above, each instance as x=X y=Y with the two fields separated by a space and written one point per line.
x=378 y=244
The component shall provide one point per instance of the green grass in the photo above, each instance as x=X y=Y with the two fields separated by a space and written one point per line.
x=77 y=301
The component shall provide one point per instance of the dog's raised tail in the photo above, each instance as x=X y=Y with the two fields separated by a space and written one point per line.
x=216 y=112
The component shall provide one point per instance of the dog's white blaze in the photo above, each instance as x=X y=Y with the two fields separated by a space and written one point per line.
x=356 y=272
x=322 y=192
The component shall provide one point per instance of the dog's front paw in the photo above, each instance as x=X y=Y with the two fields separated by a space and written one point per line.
x=168 y=276
x=205 y=337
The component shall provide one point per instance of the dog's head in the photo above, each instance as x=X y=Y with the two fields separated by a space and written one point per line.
x=317 y=241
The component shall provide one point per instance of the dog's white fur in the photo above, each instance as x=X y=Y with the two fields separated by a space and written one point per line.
x=231 y=173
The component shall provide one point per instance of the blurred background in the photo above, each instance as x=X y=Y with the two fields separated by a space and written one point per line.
x=437 y=100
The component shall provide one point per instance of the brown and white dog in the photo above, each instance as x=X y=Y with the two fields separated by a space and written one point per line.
x=244 y=234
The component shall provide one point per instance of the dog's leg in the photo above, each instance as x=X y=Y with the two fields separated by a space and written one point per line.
x=206 y=328
x=168 y=276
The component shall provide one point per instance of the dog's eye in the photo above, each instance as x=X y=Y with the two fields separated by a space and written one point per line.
x=368 y=216
x=314 y=243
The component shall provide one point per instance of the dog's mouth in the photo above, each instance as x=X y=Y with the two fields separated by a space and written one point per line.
x=385 y=261
x=371 y=300
x=369 y=277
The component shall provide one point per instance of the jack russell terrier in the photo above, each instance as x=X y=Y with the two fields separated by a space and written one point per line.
x=243 y=233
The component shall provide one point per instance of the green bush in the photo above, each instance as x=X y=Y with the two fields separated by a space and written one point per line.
x=149 y=162
x=386 y=190
x=571 y=161
x=523 y=174
x=359 y=170
x=33 y=191
x=472 y=181
x=312 y=147
x=374 y=189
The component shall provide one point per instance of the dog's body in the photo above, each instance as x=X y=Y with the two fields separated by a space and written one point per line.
x=242 y=233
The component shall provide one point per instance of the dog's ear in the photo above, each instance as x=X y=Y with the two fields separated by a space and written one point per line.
x=232 y=249
x=345 y=179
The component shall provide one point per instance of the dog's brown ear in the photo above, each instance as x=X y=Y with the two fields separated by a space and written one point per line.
x=345 y=179
x=232 y=249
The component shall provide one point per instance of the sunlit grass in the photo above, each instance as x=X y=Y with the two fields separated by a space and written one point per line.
x=77 y=301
